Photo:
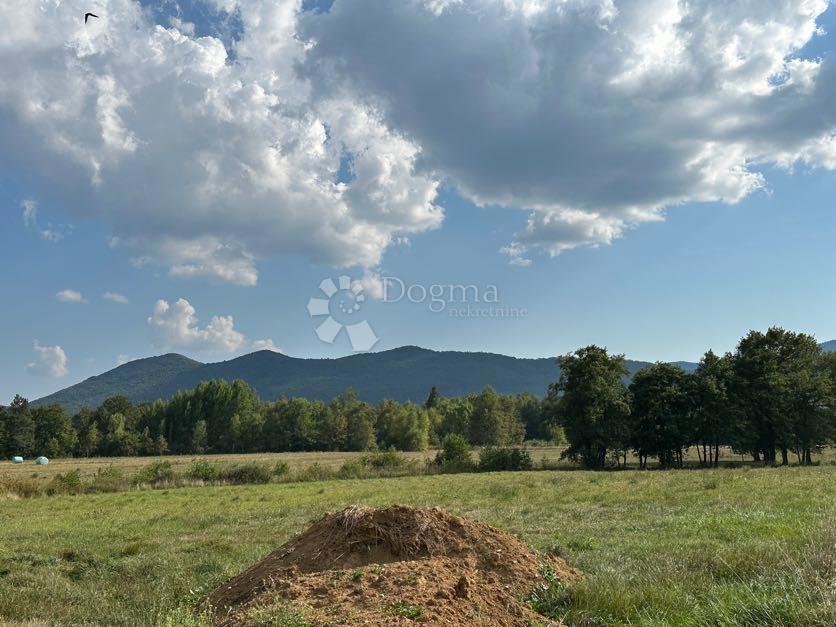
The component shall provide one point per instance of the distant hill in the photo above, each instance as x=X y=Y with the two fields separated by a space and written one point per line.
x=139 y=380
x=829 y=347
x=403 y=374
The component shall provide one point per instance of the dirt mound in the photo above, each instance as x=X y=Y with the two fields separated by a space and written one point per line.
x=392 y=566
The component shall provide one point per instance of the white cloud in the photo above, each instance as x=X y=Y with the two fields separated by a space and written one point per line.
x=592 y=115
x=30 y=221
x=372 y=284
x=265 y=345
x=324 y=139
x=122 y=360
x=116 y=297
x=70 y=296
x=30 y=213
x=50 y=361
x=195 y=162
x=516 y=255
x=176 y=327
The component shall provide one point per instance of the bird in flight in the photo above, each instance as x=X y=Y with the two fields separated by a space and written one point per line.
x=88 y=16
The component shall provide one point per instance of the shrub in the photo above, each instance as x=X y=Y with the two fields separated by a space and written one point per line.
x=315 y=472
x=353 y=469
x=20 y=487
x=454 y=455
x=69 y=483
x=109 y=479
x=158 y=472
x=201 y=470
x=504 y=458
x=250 y=472
x=387 y=460
x=281 y=469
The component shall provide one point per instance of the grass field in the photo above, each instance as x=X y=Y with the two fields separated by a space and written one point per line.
x=89 y=465
x=744 y=546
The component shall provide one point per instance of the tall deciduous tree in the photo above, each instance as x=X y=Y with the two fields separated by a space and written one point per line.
x=781 y=390
x=200 y=437
x=592 y=404
x=54 y=434
x=494 y=420
x=20 y=428
x=660 y=414
x=714 y=416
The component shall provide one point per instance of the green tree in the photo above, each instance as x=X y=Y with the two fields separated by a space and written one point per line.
x=494 y=421
x=234 y=431
x=54 y=434
x=89 y=436
x=20 y=428
x=360 y=428
x=780 y=390
x=200 y=437
x=591 y=402
x=532 y=414
x=714 y=414
x=433 y=399
x=160 y=446
x=118 y=440
x=660 y=414
x=455 y=455
x=455 y=416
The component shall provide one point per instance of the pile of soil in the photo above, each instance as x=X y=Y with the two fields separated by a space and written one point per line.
x=393 y=566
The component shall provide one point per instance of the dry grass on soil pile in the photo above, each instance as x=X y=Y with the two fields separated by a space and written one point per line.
x=393 y=566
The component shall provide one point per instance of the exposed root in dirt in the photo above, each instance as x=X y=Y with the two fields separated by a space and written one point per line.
x=391 y=566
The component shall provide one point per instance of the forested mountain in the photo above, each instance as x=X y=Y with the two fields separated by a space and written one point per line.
x=402 y=374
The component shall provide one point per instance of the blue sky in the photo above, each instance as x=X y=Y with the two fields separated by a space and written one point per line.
x=749 y=254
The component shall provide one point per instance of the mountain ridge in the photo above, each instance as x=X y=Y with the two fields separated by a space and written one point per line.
x=404 y=373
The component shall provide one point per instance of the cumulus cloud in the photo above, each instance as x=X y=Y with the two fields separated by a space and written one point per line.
x=330 y=132
x=176 y=327
x=70 y=296
x=122 y=359
x=49 y=361
x=197 y=162
x=265 y=345
x=116 y=297
x=592 y=115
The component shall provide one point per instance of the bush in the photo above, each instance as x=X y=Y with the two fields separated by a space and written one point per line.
x=69 y=483
x=504 y=458
x=158 y=472
x=281 y=469
x=354 y=469
x=454 y=455
x=108 y=479
x=388 y=460
x=201 y=470
x=19 y=486
x=250 y=472
x=315 y=472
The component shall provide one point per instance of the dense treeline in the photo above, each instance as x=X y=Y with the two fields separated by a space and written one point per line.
x=222 y=417
x=774 y=396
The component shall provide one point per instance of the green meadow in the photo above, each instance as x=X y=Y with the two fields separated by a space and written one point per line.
x=732 y=546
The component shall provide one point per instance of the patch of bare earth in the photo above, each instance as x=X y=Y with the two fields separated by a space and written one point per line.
x=392 y=566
